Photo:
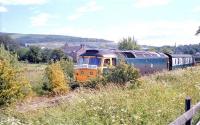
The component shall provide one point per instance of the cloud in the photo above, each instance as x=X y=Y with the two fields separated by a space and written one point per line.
x=89 y=7
x=196 y=9
x=150 y=3
x=40 y=20
x=3 y=9
x=22 y=2
x=155 y=33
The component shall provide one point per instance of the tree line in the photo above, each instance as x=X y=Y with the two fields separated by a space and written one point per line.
x=32 y=54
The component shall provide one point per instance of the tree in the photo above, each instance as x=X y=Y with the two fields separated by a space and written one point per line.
x=23 y=54
x=46 y=55
x=57 y=54
x=166 y=49
x=198 y=31
x=8 y=42
x=34 y=54
x=128 y=44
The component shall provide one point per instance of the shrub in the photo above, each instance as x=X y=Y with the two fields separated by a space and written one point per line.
x=68 y=67
x=10 y=58
x=122 y=74
x=94 y=83
x=57 y=83
x=12 y=86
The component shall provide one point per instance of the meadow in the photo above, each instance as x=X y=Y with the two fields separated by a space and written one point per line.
x=158 y=100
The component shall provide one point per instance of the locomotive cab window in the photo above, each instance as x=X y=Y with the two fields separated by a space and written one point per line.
x=106 y=62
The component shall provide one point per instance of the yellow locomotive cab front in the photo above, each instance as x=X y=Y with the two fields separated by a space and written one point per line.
x=93 y=63
x=84 y=73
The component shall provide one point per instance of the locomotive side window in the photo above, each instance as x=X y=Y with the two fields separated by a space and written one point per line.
x=106 y=62
x=114 y=61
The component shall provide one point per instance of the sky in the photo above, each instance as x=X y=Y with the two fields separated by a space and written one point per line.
x=150 y=22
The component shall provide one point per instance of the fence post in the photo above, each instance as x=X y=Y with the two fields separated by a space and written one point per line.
x=187 y=107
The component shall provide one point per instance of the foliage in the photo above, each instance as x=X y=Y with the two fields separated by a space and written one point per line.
x=34 y=54
x=46 y=55
x=8 y=43
x=6 y=55
x=122 y=74
x=34 y=73
x=12 y=85
x=188 y=49
x=57 y=54
x=158 y=101
x=57 y=83
x=96 y=82
x=68 y=67
x=22 y=54
x=166 y=49
x=128 y=44
x=198 y=31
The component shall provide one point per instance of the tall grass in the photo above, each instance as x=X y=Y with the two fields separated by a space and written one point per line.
x=159 y=100
x=34 y=73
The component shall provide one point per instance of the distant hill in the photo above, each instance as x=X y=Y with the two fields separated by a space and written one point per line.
x=55 y=41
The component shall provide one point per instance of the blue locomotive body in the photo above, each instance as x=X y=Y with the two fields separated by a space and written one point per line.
x=146 y=62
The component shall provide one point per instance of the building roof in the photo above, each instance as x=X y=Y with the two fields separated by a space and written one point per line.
x=69 y=49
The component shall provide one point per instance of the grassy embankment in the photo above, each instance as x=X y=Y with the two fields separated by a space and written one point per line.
x=159 y=100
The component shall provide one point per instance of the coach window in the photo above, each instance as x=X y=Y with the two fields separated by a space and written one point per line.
x=175 y=61
x=180 y=61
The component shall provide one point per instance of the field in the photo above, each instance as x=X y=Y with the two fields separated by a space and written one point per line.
x=158 y=100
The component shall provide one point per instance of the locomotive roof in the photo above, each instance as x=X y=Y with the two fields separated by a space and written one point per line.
x=142 y=54
x=126 y=54
x=99 y=53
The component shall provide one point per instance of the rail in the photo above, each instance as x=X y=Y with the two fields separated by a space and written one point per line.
x=186 y=118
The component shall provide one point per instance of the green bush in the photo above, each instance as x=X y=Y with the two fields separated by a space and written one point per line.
x=6 y=55
x=122 y=74
x=94 y=83
x=12 y=85
x=56 y=81
x=68 y=68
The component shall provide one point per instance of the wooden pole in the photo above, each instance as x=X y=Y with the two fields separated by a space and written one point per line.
x=187 y=107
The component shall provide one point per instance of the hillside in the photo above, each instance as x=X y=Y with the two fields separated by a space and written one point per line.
x=159 y=100
x=51 y=41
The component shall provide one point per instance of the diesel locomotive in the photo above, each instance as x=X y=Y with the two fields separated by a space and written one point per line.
x=95 y=62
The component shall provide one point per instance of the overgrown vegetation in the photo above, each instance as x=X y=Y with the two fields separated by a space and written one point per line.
x=12 y=84
x=159 y=100
x=56 y=80
x=122 y=74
